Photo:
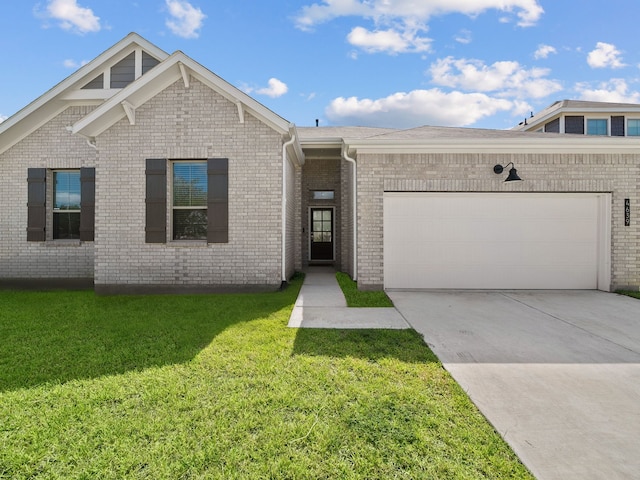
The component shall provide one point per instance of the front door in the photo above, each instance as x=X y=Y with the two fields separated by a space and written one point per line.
x=321 y=234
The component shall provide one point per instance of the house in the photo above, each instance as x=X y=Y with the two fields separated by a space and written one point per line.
x=586 y=118
x=146 y=172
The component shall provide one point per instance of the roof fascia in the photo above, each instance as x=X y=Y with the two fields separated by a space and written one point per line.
x=557 y=144
x=83 y=74
x=235 y=95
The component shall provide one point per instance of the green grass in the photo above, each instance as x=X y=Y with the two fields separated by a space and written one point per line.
x=216 y=386
x=629 y=293
x=357 y=298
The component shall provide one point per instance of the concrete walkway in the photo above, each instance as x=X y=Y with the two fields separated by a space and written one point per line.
x=321 y=304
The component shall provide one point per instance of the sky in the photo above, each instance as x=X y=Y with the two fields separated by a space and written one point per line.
x=384 y=63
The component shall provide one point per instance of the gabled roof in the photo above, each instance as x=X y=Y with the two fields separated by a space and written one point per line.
x=177 y=66
x=114 y=104
x=65 y=94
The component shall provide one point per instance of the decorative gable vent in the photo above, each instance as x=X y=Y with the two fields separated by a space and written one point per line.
x=124 y=72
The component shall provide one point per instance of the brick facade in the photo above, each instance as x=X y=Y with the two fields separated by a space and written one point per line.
x=189 y=123
x=51 y=147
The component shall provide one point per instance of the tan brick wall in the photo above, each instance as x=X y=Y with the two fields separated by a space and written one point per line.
x=615 y=173
x=194 y=123
x=51 y=147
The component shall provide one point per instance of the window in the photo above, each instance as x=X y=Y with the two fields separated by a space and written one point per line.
x=66 y=204
x=323 y=195
x=71 y=214
x=189 y=200
x=597 y=126
x=198 y=196
x=633 y=127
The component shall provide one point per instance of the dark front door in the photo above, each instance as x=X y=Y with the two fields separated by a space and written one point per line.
x=321 y=234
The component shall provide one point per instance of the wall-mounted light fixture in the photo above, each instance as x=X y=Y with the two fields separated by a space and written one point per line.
x=513 y=173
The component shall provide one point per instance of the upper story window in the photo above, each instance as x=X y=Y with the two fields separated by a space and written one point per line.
x=597 y=126
x=66 y=204
x=633 y=127
x=189 y=205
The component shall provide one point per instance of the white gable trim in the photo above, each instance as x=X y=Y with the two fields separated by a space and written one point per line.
x=177 y=66
x=67 y=92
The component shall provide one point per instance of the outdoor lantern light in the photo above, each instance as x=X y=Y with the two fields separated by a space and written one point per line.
x=513 y=173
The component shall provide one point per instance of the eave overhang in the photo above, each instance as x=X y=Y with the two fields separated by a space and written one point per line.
x=555 y=143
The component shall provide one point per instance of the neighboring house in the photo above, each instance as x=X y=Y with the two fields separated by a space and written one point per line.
x=586 y=118
x=144 y=171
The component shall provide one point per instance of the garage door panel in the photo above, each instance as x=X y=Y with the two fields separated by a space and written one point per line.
x=527 y=241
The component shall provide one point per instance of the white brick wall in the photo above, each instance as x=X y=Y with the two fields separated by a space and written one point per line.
x=616 y=173
x=51 y=147
x=192 y=123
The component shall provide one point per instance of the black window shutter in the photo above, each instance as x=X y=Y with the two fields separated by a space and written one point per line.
x=156 y=201
x=574 y=124
x=87 y=204
x=617 y=126
x=36 y=204
x=218 y=200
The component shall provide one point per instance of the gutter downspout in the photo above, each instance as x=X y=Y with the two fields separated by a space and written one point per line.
x=284 y=208
x=355 y=209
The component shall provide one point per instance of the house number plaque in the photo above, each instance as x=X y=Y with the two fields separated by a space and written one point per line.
x=627 y=212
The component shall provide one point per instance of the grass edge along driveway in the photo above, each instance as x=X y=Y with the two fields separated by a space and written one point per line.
x=216 y=386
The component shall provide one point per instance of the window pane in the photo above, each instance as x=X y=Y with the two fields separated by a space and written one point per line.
x=67 y=190
x=633 y=128
x=323 y=195
x=326 y=215
x=66 y=225
x=190 y=224
x=596 y=127
x=190 y=184
x=317 y=215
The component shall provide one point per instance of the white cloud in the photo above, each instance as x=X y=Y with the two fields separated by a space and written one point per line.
x=544 y=51
x=464 y=37
x=615 y=90
x=389 y=41
x=416 y=108
x=276 y=88
x=73 y=17
x=605 y=55
x=3 y=118
x=185 y=19
x=70 y=63
x=411 y=12
x=507 y=78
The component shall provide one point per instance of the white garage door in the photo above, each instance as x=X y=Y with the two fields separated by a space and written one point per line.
x=496 y=241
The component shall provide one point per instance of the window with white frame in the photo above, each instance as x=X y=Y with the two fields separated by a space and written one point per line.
x=189 y=202
x=597 y=126
x=633 y=127
x=66 y=204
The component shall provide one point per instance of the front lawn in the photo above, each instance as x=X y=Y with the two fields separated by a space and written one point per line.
x=216 y=386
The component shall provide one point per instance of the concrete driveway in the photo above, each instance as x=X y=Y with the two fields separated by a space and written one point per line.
x=557 y=373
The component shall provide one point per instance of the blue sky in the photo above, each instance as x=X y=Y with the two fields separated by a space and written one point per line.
x=392 y=63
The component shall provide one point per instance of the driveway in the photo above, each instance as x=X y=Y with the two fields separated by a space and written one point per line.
x=557 y=373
